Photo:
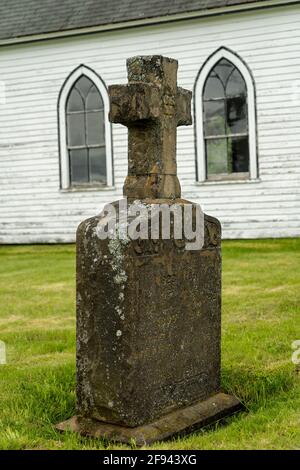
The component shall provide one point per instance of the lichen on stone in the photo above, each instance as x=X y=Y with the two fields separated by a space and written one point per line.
x=116 y=248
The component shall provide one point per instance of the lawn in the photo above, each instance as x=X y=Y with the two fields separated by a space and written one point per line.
x=261 y=318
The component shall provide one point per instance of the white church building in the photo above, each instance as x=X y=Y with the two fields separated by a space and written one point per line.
x=60 y=158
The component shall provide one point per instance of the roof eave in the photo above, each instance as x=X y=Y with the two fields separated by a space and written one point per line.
x=149 y=21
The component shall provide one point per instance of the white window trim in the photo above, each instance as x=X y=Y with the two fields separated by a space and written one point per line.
x=199 y=128
x=64 y=157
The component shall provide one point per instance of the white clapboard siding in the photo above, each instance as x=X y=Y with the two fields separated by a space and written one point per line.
x=33 y=209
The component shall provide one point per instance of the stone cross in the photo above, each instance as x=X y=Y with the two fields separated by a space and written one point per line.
x=149 y=314
x=151 y=106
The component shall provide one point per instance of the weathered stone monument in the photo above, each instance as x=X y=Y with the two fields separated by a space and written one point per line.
x=148 y=311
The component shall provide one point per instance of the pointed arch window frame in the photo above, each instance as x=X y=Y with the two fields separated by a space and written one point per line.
x=211 y=62
x=80 y=71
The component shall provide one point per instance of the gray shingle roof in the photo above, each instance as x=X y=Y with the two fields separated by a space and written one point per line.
x=19 y=18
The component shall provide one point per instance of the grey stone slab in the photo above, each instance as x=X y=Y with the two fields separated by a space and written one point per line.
x=176 y=423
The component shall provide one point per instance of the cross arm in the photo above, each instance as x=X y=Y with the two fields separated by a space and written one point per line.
x=183 y=101
x=133 y=102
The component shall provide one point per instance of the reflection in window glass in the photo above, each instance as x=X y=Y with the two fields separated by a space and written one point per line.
x=95 y=129
x=223 y=70
x=84 y=84
x=225 y=112
x=75 y=102
x=238 y=150
x=214 y=88
x=237 y=115
x=214 y=114
x=94 y=100
x=217 y=162
x=98 y=164
x=86 y=133
x=236 y=86
x=76 y=130
x=79 y=166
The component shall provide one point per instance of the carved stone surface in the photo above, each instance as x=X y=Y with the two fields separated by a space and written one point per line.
x=148 y=311
x=148 y=325
x=151 y=106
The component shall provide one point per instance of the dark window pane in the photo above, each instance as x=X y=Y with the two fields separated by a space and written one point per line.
x=213 y=89
x=83 y=85
x=79 y=166
x=237 y=115
x=216 y=151
x=238 y=154
x=94 y=99
x=98 y=164
x=214 y=118
x=76 y=130
x=75 y=102
x=223 y=69
x=236 y=85
x=95 y=128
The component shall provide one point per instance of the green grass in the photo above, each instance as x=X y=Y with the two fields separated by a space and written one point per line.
x=261 y=313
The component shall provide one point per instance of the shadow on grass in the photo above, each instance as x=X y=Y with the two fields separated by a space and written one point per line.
x=42 y=397
x=48 y=394
x=255 y=387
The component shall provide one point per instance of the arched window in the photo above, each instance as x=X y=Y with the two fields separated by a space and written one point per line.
x=85 y=136
x=225 y=119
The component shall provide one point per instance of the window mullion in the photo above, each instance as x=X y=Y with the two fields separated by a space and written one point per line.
x=70 y=165
x=226 y=130
x=229 y=157
x=89 y=164
x=223 y=136
x=86 y=142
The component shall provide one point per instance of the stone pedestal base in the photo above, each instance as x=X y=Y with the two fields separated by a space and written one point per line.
x=179 y=422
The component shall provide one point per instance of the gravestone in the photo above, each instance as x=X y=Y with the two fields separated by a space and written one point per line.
x=148 y=310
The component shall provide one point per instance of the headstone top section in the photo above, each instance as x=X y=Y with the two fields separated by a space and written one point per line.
x=151 y=106
x=155 y=70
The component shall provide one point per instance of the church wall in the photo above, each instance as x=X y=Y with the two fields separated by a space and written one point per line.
x=33 y=208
